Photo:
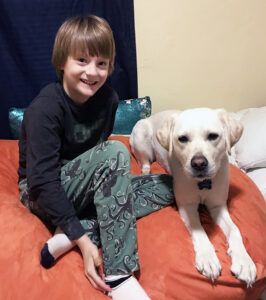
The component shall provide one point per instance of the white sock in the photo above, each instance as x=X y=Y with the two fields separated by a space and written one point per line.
x=129 y=289
x=115 y=277
x=59 y=243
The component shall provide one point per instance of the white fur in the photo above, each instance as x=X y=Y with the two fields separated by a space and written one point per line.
x=178 y=140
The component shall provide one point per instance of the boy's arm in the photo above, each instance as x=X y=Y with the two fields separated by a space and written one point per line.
x=92 y=261
x=44 y=134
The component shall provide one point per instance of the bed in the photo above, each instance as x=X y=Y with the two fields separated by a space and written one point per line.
x=165 y=248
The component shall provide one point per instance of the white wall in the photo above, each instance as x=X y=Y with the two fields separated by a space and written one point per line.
x=194 y=53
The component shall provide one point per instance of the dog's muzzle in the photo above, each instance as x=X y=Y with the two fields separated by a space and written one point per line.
x=199 y=165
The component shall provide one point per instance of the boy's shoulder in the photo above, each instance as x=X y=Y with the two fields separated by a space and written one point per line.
x=50 y=92
x=49 y=100
x=48 y=95
x=107 y=92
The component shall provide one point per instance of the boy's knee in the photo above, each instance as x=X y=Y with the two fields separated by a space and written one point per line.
x=107 y=151
x=118 y=148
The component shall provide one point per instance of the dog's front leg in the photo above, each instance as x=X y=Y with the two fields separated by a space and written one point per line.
x=206 y=260
x=242 y=265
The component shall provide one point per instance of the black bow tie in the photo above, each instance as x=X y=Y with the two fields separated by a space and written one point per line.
x=205 y=184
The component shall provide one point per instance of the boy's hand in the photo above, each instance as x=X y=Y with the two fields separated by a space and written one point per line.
x=92 y=261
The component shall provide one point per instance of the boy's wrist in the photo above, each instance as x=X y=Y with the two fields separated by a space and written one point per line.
x=72 y=228
x=83 y=241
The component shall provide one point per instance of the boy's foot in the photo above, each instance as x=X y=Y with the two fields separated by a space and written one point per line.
x=54 y=248
x=47 y=260
x=126 y=288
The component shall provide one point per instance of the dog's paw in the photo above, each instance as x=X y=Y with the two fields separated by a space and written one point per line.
x=208 y=264
x=243 y=267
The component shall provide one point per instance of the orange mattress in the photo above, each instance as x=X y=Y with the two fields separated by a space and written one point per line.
x=165 y=248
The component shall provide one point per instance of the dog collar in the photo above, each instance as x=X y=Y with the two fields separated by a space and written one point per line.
x=205 y=184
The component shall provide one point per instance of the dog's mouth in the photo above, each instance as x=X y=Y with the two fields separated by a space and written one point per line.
x=201 y=175
x=207 y=173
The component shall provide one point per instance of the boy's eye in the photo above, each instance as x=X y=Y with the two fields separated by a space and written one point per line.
x=82 y=60
x=102 y=63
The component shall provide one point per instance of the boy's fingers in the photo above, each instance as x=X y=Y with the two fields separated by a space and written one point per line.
x=96 y=280
x=102 y=285
x=97 y=261
x=98 y=283
x=101 y=274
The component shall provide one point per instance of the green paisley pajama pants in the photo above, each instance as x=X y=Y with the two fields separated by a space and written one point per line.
x=108 y=200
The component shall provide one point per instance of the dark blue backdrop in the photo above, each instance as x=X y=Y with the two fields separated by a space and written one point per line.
x=27 y=32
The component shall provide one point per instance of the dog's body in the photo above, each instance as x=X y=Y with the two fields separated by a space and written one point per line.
x=144 y=143
x=193 y=146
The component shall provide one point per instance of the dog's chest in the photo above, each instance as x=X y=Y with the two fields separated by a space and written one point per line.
x=189 y=192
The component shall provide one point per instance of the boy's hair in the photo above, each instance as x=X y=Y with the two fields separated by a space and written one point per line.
x=80 y=35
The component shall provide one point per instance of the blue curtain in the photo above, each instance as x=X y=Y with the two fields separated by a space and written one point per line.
x=27 y=32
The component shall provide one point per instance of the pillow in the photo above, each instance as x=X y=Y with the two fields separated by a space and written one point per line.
x=250 y=151
x=127 y=114
x=258 y=176
x=15 y=116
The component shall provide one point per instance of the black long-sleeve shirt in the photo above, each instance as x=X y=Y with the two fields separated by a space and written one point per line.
x=56 y=130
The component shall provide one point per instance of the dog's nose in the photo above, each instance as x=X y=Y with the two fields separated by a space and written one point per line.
x=199 y=162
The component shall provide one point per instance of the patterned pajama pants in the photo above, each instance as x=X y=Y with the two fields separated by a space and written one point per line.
x=108 y=200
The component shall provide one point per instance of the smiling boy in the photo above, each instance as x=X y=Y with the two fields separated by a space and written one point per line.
x=60 y=124
x=72 y=177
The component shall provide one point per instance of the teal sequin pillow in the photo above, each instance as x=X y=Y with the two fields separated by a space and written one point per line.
x=15 y=116
x=127 y=114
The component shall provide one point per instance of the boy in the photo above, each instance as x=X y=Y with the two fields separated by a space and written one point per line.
x=72 y=177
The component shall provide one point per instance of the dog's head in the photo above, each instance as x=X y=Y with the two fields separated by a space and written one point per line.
x=199 y=138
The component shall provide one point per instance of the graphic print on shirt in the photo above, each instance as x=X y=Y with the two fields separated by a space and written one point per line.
x=84 y=132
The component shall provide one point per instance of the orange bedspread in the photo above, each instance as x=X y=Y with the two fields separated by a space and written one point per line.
x=165 y=248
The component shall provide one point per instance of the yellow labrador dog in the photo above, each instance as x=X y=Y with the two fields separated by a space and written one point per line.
x=193 y=146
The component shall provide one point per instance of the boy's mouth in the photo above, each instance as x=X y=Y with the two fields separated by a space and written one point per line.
x=90 y=83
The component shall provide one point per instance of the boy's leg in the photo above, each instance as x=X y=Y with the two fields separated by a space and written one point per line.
x=105 y=170
x=151 y=193
x=131 y=197
x=124 y=199
x=95 y=170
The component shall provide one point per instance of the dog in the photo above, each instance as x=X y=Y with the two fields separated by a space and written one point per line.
x=193 y=145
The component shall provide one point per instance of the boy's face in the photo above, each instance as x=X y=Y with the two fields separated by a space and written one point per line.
x=83 y=76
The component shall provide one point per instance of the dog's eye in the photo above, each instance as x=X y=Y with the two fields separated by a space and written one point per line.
x=183 y=139
x=212 y=136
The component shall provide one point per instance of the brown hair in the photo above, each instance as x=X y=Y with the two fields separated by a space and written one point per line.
x=83 y=34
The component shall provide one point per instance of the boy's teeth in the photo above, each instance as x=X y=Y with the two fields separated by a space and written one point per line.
x=88 y=82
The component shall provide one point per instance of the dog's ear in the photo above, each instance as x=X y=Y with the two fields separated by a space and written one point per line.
x=164 y=133
x=232 y=127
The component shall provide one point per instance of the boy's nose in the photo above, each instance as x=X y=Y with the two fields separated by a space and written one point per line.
x=91 y=69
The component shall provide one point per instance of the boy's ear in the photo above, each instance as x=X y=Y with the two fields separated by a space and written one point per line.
x=60 y=73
